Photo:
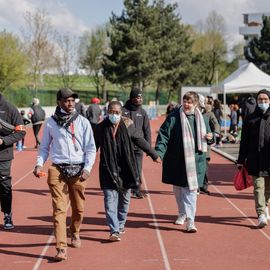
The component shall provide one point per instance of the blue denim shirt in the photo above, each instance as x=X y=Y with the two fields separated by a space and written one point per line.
x=57 y=142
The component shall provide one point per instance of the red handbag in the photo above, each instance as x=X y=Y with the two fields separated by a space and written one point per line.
x=242 y=180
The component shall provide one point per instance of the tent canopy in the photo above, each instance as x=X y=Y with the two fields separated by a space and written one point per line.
x=246 y=79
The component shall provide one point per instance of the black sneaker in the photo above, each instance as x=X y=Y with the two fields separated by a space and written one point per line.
x=204 y=191
x=137 y=194
x=8 y=224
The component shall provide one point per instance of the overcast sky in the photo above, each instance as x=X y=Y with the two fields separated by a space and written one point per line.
x=76 y=16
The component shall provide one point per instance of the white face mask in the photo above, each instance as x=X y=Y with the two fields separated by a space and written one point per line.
x=114 y=118
x=263 y=106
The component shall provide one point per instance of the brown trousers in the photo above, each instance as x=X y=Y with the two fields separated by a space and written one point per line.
x=60 y=191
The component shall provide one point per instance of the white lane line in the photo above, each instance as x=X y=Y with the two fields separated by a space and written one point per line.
x=160 y=240
x=241 y=212
x=45 y=249
x=19 y=180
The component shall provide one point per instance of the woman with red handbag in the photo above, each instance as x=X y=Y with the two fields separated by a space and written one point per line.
x=254 y=154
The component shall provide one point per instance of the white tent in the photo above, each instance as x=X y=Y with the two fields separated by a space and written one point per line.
x=246 y=79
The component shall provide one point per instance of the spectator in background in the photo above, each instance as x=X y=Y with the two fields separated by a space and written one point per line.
x=133 y=110
x=26 y=121
x=10 y=134
x=248 y=106
x=233 y=116
x=37 y=116
x=217 y=110
x=254 y=154
x=170 y=108
x=206 y=110
x=79 y=106
x=93 y=113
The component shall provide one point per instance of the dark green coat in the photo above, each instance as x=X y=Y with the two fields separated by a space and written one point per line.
x=169 y=146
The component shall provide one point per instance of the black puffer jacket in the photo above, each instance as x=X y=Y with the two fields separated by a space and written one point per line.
x=11 y=115
x=255 y=143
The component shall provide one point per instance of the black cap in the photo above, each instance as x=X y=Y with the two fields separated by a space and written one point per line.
x=135 y=92
x=66 y=93
x=263 y=91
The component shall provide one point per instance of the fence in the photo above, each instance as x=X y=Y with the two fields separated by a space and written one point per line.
x=23 y=97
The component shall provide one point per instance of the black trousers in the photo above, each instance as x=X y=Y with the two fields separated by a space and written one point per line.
x=36 y=129
x=139 y=159
x=205 y=181
x=5 y=186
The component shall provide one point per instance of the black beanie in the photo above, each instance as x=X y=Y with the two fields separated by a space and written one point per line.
x=135 y=92
x=263 y=91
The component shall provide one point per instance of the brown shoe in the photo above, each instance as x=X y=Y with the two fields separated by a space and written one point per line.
x=75 y=241
x=61 y=254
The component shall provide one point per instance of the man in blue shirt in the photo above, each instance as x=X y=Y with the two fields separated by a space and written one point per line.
x=68 y=139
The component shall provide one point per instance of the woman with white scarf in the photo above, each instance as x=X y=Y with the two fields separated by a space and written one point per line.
x=182 y=145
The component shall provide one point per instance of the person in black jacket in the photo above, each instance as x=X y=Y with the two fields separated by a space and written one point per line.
x=254 y=154
x=248 y=106
x=133 y=109
x=117 y=168
x=37 y=116
x=9 y=134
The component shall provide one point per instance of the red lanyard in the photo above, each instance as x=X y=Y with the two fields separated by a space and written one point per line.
x=73 y=135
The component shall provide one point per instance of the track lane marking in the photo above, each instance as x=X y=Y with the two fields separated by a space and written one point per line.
x=45 y=249
x=156 y=225
x=240 y=211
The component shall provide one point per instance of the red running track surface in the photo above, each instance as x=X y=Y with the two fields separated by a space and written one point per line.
x=227 y=235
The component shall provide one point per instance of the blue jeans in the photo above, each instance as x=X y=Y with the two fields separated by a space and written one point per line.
x=186 y=201
x=116 y=207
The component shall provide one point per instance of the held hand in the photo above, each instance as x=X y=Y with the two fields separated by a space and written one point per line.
x=158 y=160
x=85 y=175
x=209 y=136
x=1 y=141
x=239 y=166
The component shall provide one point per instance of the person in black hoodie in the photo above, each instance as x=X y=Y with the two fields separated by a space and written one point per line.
x=254 y=154
x=11 y=131
x=118 y=173
x=133 y=110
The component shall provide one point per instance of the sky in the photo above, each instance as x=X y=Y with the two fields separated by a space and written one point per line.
x=76 y=16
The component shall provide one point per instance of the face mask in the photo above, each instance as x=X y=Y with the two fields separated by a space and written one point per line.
x=114 y=118
x=263 y=106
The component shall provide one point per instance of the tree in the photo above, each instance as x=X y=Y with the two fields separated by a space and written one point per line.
x=93 y=47
x=209 y=49
x=13 y=61
x=174 y=49
x=38 y=36
x=133 y=56
x=258 y=49
x=66 y=58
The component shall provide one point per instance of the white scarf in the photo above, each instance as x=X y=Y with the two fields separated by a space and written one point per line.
x=189 y=145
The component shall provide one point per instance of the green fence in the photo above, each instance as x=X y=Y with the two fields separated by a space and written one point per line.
x=23 y=97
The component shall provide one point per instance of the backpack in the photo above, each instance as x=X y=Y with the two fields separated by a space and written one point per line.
x=39 y=114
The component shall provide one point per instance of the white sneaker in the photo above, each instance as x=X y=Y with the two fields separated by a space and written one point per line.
x=180 y=219
x=262 y=221
x=191 y=226
x=267 y=213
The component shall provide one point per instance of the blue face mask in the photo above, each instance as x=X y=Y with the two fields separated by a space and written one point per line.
x=114 y=118
x=263 y=106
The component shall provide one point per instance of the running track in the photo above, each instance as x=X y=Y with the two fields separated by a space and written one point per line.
x=227 y=236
